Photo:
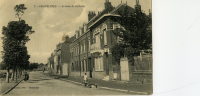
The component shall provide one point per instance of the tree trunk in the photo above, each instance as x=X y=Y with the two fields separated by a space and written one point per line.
x=20 y=73
x=16 y=75
x=7 y=75
x=119 y=70
x=13 y=74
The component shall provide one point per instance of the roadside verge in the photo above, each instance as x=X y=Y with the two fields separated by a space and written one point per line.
x=108 y=88
x=129 y=88
x=8 y=87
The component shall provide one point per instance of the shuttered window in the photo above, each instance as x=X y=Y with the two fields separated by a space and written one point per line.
x=99 y=64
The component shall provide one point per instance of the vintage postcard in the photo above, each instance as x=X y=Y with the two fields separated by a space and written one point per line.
x=76 y=47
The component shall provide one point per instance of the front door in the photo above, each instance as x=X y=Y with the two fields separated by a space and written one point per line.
x=106 y=63
x=90 y=67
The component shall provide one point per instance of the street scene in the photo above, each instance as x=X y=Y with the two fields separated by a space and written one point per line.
x=76 y=47
x=42 y=85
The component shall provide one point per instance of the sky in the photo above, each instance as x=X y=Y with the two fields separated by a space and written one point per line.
x=51 y=24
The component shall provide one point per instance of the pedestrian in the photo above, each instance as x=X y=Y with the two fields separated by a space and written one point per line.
x=43 y=70
x=85 y=79
x=26 y=76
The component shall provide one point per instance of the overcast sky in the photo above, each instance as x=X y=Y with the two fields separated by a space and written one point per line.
x=50 y=24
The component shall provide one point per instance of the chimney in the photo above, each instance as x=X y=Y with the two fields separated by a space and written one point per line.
x=91 y=14
x=138 y=6
x=137 y=2
x=108 y=5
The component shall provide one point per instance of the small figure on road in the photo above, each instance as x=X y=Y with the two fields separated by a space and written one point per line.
x=85 y=79
x=26 y=76
x=43 y=70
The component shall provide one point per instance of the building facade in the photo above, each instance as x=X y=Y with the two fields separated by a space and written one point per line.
x=60 y=59
x=89 y=50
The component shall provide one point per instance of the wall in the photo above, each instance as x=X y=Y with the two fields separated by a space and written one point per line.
x=65 y=69
x=142 y=71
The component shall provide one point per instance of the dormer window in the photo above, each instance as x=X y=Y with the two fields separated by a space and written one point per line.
x=104 y=27
x=115 y=26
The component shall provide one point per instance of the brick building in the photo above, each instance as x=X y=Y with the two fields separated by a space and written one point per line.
x=60 y=59
x=89 y=50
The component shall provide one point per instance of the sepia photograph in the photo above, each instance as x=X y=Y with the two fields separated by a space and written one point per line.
x=76 y=47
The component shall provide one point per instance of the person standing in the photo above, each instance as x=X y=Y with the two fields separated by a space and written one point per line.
x=26 y=76
x=44 y=69
x=85 y=79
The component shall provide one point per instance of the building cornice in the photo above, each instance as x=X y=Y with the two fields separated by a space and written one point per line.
x=104 y=16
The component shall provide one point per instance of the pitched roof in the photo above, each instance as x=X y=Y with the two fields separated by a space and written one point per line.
x=106 y=13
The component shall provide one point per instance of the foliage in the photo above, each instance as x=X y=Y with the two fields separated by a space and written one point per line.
x=19 y=9
x=118 y=51
x=14 y=40
x=2 y=66
x=33 y=66
x=135 y=34
x=15 y=36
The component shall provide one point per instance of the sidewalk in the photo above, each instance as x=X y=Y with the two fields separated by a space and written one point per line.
x=6 y=87
x=112 y=85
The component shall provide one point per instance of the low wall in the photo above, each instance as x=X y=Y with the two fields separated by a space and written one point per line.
x=141 y=77
x=96 y=75
x=99 y=75
x=65 y=69
x=74 y=74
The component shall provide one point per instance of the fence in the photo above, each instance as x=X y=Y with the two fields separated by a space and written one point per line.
x=141 y=72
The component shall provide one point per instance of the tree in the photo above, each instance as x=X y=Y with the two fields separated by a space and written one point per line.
x=33 y=66
x=135 y=34
x=19 y=9
x=2 y=66
x=15 y=36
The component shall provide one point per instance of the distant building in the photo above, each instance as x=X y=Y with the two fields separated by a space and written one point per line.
x=60 y=59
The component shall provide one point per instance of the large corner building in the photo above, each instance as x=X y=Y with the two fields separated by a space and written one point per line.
x=90 y=49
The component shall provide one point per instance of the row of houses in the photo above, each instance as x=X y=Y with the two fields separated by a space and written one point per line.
x=89 y=50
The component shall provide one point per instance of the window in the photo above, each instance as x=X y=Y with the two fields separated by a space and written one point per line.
x=99 y=64
x=75 y=66
x=88 y=44
x=82 y=65
x=85 y=27
x=74 y=49
x=105 y=37
x=94 y=40
x=80 y=32
x=81 y=48
x=76 y=34
x=84 y=45
x=98 y=43
x=119 y=39
x=72 y=66
x=85 y=65
x=77 y=50
x=111 y=26
x=115 y=26
x=78 y=66
x=104 y=26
